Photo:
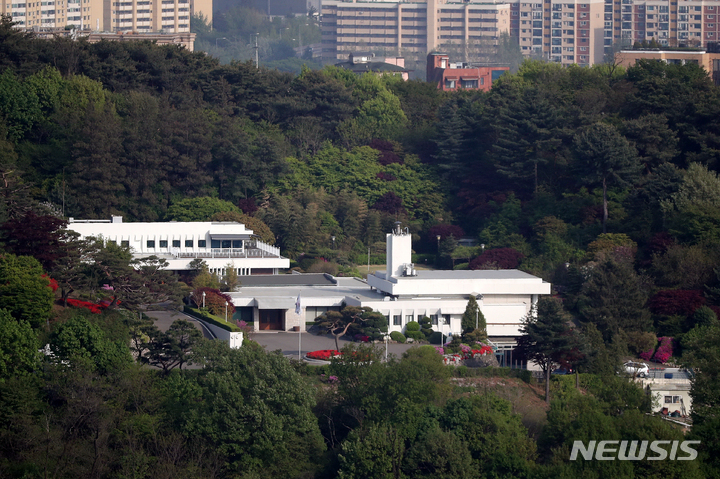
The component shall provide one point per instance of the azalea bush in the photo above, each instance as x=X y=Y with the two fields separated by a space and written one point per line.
x=92 y=307
x=664 y=351
x=323 y=354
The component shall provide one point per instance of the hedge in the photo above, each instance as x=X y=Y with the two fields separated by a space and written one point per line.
x=209 y=318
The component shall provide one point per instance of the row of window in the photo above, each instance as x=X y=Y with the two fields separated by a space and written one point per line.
x=225 y=244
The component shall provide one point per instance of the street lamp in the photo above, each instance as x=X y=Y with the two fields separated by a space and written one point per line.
x=257 y=59
x=226 y=305
x=386 y=336
x=216 y=41
x=203 y=299
x=333 y=240
x=441 y=320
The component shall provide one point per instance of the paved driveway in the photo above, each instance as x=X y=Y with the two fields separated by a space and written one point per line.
x=288 y=343
x=163 y=320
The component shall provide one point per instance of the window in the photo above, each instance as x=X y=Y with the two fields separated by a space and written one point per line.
x=150 y=243
x=202 y=244
x=672 y=399
x=408 y=318
x=237 y=243
x=125 y=243
x=176 y=243
x=189 y=243
x=434 y=319
x=397 y=320
x=446 y=318
x=163 y=243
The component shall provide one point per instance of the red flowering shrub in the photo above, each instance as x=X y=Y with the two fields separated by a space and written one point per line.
x=646 y=355
x=323 y=354
x=53 y=284
x=502 y=258
x=665 y=350
x=92 y=307
x=673 y=302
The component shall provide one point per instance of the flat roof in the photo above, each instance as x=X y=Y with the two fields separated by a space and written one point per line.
x=275 y=280
x=471 y=274
x=351 y=287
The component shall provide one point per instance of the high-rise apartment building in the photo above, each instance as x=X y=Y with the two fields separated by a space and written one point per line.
x=564 y=31
x=142 y=16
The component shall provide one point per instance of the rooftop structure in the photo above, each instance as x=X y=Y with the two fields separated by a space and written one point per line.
x=461 y=76
x=360 y=63
x=217 y=243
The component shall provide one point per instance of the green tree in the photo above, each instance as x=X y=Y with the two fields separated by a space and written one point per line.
x=255 y=410
x=529 y=134
x=548 y=337
x=605 y=157
x=83 y=344
x=199 y=209
x=473 y=318
x=18 y=347
x=24 y=292
x=171 y=349
x=375 y=452
x=338 y=323
x=613 y=298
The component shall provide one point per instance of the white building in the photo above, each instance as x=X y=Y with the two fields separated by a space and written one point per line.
x=401 y=293
x=217 y=243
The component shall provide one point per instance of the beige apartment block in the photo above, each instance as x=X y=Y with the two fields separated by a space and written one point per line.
x=116 y=16
x=582 y=32
x=410 y=29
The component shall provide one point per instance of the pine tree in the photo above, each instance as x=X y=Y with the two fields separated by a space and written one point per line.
x=548 y=337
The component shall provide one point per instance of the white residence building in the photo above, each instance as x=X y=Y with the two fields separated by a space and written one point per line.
x=217 y=243
x=401 y=293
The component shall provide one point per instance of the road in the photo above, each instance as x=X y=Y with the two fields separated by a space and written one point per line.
x=163 y=320
x=287 y=342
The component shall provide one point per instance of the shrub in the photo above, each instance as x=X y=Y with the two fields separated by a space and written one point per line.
x=664 y=352
x=416 y=335
x=323 y=354
x=412 y=326
x=435 y=338
x=640 y=342
x=397 y=336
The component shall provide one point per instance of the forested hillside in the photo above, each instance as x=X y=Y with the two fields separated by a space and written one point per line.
x=600 y=180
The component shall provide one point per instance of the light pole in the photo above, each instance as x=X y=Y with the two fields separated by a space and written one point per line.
x=333 y=240
x=216 y=41
x=257 y=60
x=441 y=320
x=386 y=345
x=226 y=305
x=203 y=299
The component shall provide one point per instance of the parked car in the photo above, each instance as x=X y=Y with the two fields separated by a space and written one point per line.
x=563 y=371
x=636 y=369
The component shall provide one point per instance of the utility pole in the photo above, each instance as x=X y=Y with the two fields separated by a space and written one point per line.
x=257 y=60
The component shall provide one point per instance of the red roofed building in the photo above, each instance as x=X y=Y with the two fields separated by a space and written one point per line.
x=460 y=76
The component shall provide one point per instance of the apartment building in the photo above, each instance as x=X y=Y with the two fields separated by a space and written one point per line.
x=117 y=16
x=565 y=31
x=708 y=58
